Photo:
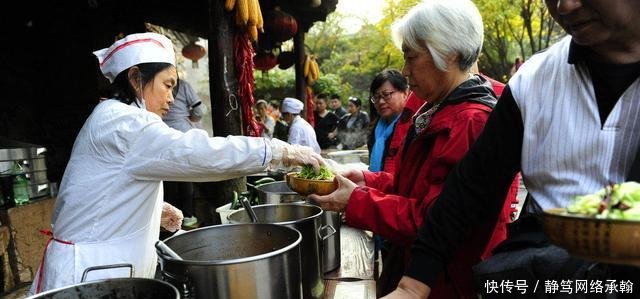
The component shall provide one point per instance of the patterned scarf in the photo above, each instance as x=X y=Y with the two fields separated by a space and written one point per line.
x=422 y=120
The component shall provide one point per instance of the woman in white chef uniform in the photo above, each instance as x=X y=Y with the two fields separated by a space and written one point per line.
x=109 y=204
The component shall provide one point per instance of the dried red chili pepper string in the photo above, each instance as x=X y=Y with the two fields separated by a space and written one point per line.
x=243 y=56
x=311 y=106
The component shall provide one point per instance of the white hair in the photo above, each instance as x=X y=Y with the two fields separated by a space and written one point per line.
x=444 y=27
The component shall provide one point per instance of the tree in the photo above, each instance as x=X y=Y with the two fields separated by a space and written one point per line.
x=514 y=28
x=356 y=58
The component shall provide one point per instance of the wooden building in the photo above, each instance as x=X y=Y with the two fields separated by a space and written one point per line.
x=50 y=79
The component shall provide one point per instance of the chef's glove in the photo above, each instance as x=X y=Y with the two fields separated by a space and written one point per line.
x=293 y=154
x=171 y=218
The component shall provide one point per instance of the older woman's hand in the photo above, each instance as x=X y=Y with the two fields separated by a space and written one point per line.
x=171 y=218
x=409 y=288
x=355 y=176
x=338 y=200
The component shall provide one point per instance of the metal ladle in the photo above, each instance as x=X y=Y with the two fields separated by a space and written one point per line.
x=167 y=251
x=249 y=209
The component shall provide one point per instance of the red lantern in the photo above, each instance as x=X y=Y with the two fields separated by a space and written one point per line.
x=280 y=25
x=193 y=52
x=264 y=61
x=286 y=60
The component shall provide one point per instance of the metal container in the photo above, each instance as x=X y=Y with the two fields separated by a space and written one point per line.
x=235 y=261
x=307 y=220
x=349 y=156
x=117 y=288
x=330 y=246
x=31 y=158
x=277 y=192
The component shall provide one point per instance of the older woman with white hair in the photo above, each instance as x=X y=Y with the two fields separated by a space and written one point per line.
x=440 y=39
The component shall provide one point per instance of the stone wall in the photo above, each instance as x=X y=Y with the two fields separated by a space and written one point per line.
x=26 y=243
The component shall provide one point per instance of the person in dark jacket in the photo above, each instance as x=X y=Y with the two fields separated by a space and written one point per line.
x=568 y=120
x=336 y=106
x=326 y=124
x=458 y=104
x=352 y=127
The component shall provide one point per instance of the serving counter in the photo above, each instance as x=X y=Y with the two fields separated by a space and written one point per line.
x=355 y=278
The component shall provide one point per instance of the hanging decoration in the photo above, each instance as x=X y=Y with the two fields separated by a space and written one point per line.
x=193 y=52
x=311 y=69
x=311 y=106
x=280 y=25
x=286 y=60
x=243 y=56
x=248 y=15
x=264 y=61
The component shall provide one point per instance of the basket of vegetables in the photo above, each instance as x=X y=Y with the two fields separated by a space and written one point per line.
x=603 y=226
x=308 y=181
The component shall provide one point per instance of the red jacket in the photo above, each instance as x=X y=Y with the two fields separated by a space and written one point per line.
x=394 y=144
x=393 y=205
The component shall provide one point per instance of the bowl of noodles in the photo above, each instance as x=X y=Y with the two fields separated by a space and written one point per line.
x=603 y=226
x=309 y=181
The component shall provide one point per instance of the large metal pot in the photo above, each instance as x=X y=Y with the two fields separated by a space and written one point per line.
x=330 y=245
x=117 y=288
x=239 y=261
x=349 y=156
x=307 y=220
x=277 y=192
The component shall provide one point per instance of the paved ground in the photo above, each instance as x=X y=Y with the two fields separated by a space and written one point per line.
x=18 y=293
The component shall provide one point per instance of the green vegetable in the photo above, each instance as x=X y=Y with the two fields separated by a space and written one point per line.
x=619 y=201
x=264 y=180
x=235 y=201
x=308 y=173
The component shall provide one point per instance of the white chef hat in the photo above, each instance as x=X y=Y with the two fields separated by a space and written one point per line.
x=134 y=49
x=291 y=105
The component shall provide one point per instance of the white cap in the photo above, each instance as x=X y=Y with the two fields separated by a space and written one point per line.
x=134 y=49
x=291 y=105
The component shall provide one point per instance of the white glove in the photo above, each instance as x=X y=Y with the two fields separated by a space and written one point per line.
x=171 y=218
x=293 y=154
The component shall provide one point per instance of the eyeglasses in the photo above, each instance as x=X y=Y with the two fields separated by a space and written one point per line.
x=383 y=95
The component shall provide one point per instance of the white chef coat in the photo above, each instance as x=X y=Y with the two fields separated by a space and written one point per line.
x=302 y=133
x=110 y=198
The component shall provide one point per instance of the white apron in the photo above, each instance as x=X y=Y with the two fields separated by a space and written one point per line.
x=136 y=249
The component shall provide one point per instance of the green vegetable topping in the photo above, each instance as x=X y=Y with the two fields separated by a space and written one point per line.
x=618 y=201
x=308 y=173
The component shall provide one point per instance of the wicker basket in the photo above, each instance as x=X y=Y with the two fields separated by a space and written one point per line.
x=604 y=240
x=305 y=187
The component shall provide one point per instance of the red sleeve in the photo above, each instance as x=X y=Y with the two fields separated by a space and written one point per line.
x=398 y=218
x=382 y=181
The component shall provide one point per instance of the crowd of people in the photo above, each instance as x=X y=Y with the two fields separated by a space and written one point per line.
x=447 y=146
x=334 y=127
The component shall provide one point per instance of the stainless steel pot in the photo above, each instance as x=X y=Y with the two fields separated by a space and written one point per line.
x=307 y=220
x=277 y=192
x=239 y=261
x=330 y=247
x=117 y=288
x=349 y=156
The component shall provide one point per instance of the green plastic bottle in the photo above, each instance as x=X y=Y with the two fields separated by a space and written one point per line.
x=20 y=186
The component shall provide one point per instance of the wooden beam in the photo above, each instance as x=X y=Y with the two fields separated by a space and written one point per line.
x=301 y=84
x=223 y=85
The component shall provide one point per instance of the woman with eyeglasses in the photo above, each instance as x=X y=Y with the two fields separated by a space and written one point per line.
x=393 y=108
x=440 y=39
